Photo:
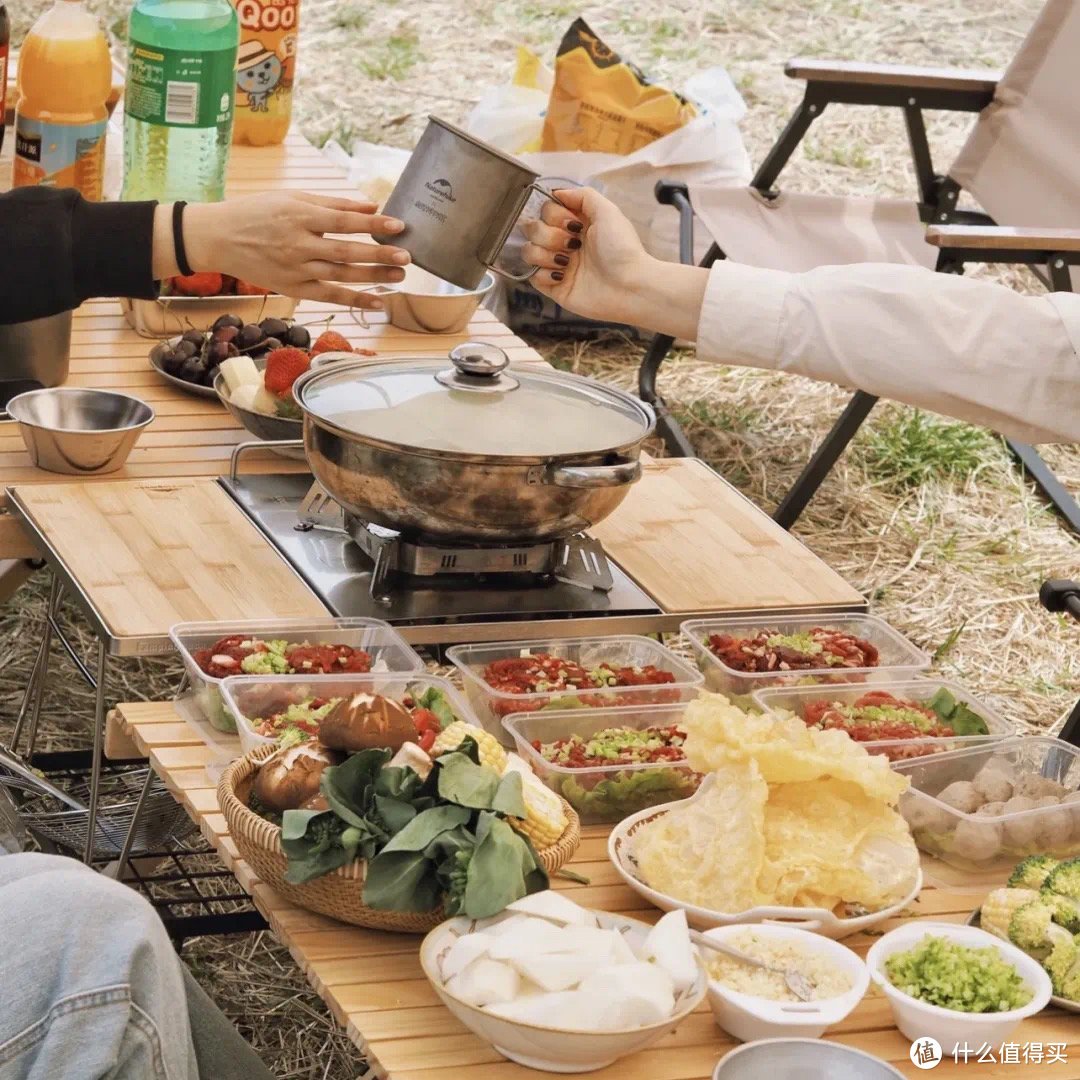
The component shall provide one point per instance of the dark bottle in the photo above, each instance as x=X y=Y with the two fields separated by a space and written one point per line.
x=5 y=39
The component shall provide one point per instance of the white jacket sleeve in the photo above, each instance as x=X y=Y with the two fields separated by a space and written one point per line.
x=967 y=348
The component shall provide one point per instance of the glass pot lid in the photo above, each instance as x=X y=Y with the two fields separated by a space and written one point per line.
x=472 y=406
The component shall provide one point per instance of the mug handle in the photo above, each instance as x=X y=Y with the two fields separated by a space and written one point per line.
x=528 y=273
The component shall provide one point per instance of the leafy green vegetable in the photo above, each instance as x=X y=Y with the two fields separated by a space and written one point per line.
x=464 y=782
x=435 y=700
x=957 y=715
x=426 y=841
x=509 y=798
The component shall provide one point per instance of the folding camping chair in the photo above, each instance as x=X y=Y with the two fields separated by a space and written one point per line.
x=1021 y=163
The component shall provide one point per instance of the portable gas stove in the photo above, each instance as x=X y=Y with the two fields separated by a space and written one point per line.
x=440 y=593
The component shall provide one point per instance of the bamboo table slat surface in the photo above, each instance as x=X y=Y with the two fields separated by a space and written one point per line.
x=373 y=985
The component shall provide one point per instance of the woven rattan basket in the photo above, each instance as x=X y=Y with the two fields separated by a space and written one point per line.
x=337 y=894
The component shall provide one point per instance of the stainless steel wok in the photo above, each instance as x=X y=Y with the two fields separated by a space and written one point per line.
x=468 y=450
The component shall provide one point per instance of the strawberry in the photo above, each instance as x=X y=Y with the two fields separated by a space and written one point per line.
x=204 y=283
x=245 y=288
x=283 y=368
x=330 y=341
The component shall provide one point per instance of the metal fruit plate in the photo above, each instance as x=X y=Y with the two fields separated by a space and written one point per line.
x=261 y=425
x=975 y=919
x=157 y=352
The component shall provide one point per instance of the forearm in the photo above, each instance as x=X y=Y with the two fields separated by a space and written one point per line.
x=665 y=297
x=966 y=348
x=61 y=250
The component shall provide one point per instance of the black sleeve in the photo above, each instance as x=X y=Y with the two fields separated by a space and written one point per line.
x=59 y=250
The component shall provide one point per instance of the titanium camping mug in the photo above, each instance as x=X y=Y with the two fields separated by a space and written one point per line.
x=459 y=199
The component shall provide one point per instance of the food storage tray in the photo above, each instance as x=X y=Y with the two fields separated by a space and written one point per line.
x=603 y=794
x=796 y=699
x=623 y=650
x=252 y=698
x=388 y=649
x=898 y=658
x=973 y=843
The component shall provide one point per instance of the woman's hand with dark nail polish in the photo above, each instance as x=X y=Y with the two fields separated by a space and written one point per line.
x=562 y=260
x=574 y=243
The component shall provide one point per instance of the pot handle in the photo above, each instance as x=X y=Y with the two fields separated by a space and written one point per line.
x=532 y=270
x=589 y=476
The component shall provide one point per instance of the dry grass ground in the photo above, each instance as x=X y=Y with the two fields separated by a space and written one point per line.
x=931 y=520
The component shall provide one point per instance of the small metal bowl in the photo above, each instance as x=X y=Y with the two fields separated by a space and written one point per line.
x=71 y=430
x=802 y=1059
x=262 y=426
x=426 y=304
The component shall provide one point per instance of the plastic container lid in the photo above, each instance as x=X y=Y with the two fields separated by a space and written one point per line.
x=472 y=406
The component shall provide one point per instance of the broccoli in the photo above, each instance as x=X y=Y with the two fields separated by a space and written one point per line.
x=1069 y=987
x=1064 y=879
x=1032 y=927
x=1061 y=961
x=1066 y=909
x=1031 y=872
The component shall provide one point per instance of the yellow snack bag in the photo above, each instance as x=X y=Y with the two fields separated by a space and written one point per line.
x=602 y=103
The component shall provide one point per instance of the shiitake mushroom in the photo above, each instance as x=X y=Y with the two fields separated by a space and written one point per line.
x=289 y=778
x=364 y=721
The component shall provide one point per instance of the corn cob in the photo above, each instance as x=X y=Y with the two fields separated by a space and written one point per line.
x=544 y=820
x=1000 y=906
x=450 y=738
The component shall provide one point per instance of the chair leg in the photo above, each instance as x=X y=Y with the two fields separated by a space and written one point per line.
x=825 y=457
x=667 y=427
x=1047 y=482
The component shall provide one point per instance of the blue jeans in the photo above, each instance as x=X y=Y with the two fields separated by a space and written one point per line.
x=91 y=986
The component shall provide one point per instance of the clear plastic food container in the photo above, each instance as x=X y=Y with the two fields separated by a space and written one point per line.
x=603 y=793
x=252 y=699
x=620 y=650
x=948 y=791
x=798 y=699
x=388 y=650
x=898 y=658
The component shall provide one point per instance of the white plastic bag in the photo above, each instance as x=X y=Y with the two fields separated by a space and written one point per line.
x=374 y=169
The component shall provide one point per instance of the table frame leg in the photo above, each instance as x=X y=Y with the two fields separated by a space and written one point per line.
x=35 y=686
x=99 y=751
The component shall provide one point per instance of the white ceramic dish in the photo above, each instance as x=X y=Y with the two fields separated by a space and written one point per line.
x=816 y=920
x=801 y=1059
x=748 y=1017
x=551 y=1049
x=918 y=1020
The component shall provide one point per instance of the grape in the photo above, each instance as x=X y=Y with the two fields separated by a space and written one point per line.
x=275 y=328
x=233 y=350
x=249 y=336
x=226 y=333
x=272 y=343
x=208 y=376
x=172 y=361
x=298 y=337
x=223 y=321
x=196 y=337
x=184 y=349
x=190 y=370
x=218 y=351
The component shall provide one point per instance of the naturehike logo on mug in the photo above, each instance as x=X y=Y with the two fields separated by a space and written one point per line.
x=442 y=188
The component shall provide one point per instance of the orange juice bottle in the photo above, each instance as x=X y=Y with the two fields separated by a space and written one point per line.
x=265 y=70
x=64 y=81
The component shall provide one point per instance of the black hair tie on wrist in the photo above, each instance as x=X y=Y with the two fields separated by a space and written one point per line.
x=178 y=239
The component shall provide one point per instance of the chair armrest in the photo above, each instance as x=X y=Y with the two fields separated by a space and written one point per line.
x=1002 y=238
x=897 y=76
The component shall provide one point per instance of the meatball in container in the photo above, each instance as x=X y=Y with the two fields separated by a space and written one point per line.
x=985 y=807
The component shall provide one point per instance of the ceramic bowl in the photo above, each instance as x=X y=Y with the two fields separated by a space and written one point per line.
x=545 y=1048
x=802 y=1059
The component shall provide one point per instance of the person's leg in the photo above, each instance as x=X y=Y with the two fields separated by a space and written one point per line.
x=92 y=987
x=219 y=1047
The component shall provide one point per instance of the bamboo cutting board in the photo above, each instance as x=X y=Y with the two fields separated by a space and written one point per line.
x=150 y=554
x=691 y=541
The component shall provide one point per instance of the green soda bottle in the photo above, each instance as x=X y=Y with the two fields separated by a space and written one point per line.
x=178 y=99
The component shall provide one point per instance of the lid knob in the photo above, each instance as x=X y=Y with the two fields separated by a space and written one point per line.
x=478 y=365
x=478 y=358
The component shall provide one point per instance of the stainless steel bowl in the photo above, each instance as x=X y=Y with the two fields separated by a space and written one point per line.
x=426 y=304
x=261 y=425
x=802 y=1059
x=37 y=351
x=72 y=430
